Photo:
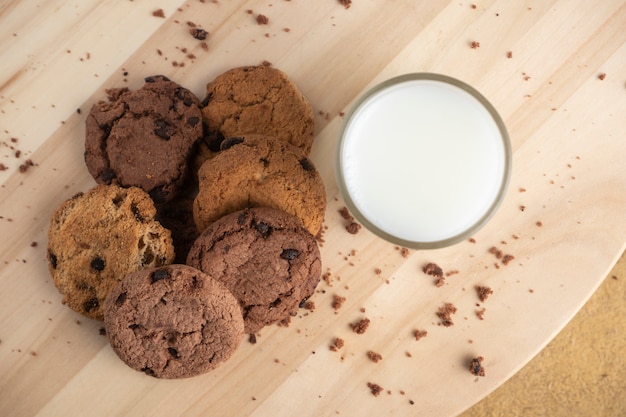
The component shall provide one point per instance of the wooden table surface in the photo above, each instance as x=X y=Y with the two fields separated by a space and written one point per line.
x=554 y=70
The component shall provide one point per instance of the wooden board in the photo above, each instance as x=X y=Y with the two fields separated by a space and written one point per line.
x=563 y=218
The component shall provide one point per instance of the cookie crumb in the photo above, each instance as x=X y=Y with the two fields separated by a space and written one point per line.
x=404 y=252
x=602 y=76
x=481 y=313
x=419 y=334
x=261 y=19
x=159 y=13
x=476 y=367
x=102 y=331
x=475 y=44
x=346 y=3
x=539 y=224
x=509 y=54
x=507 y=258
x=360 y=326
x=353 y=228
x=433 y=269
x=483 y=292
x=337 y=344
x=445 y=314
x=252 y=338
x=375 y=389
x=26 y=165
x=374 y=356
x=309 y=305
x=338 y=301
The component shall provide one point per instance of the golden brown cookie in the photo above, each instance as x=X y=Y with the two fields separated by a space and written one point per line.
x=265 y=257
x=255 y=99
x=144 y=138
x=260 y=171
x=98 y=237
x=172 y=322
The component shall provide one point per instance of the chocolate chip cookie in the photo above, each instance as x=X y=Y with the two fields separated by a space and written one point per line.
x=260 y=171
x=265 y=257
x=144 y=138
x=98 y=237
x=172 y=322
x=256 y=99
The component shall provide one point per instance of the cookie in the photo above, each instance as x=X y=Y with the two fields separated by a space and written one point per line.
x=256 y=99
x=98 y=237
x=260 y=171
x=172 y=322
x=265 y=257
x=144 y=138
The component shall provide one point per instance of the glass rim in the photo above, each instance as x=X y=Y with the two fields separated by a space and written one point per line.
x=506 y=172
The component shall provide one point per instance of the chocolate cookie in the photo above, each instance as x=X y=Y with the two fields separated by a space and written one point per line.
x=256 y=99
x=265 y=257
x=144 y=138
x=259 y=171
x=96 y=238
x=172 y=322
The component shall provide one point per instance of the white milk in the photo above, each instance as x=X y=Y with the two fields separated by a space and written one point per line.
x=423 y=160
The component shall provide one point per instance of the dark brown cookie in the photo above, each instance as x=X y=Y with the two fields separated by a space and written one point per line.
x=265 y=257
x=144 y=138
x=96 y=238
x=256 y=100
x=172 y=322
x=260 y=171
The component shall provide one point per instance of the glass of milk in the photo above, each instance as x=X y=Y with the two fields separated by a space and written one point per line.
x=423 y=160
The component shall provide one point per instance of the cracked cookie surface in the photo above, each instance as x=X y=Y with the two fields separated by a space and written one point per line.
x=265 y=257
x=260 y=171
x=172 y=322
x=144 y=138
x=98 y=237
x=256 y=100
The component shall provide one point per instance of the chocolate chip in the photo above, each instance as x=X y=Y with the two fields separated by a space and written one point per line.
x=289 y=254
x=303 y=302
x=199 y=34
x=173 y=352
x=53 y=260
x=134 y=326
x=155 y=78
x=241 y=219
x=212 y=139
x=97 y=264
x=137 y=213
x=91 y=304
x=192 y=121
x=263 y=228
x=159 y=274
x=148 y=371
x=107 y=175
x=265 y=162
x=162 y=129
x=230 y=142
x=206 y=100
x=120 y=299
x=183 y=95
x=307 y=165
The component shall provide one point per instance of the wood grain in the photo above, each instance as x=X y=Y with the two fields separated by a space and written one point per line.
x=569 y=176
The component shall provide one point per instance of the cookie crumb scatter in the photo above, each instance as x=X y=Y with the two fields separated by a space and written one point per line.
x=346 y=3
x=375 y=389
x=374 y=356
x=419 y=334
x=475 y=45
x=602 y=76
x=476 y=367
x=360 y=326
x=445 y=314
x=26 y=165
x=261 y=19
x=496 y=252
x=337 y=344
x=483 y=292
x=159 y=13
